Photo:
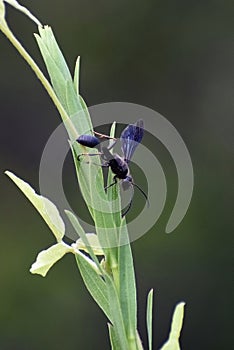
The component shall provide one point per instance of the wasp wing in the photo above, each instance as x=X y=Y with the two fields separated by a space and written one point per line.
x=130 y=138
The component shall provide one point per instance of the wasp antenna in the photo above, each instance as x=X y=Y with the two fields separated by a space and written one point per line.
x=144 y=194
x=130 y=203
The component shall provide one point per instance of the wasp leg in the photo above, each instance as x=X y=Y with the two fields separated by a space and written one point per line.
x=127 y=210
x=104 y=165
x=130 y=203
x=142 y=192
x=112 y=184
x=88 y=154
x=102 y=136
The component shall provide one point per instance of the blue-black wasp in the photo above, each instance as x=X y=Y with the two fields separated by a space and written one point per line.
x=130 y=137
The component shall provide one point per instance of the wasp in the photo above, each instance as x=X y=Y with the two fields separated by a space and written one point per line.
x=130 y=138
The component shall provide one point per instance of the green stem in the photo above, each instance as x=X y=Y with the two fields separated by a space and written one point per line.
x=115 y=272
x=5 y=29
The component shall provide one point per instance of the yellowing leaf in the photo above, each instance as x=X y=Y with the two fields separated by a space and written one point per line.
x=176 y=326
x=93 y=242
x=44 y=206
x=47 y=258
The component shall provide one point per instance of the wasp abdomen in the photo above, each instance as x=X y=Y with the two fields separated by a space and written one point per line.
x=88 y=140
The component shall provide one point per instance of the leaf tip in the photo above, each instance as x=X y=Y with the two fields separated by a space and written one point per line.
x=35 y=272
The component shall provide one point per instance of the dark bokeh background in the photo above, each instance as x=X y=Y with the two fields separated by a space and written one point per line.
x=177 y=58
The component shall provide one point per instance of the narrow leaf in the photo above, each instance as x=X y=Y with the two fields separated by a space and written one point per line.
x=113 y=338
x=176 y=326
x=116 y=314
x=85 y=117
x=44 y=206
x=77 y=76
x=75 y=222
x=62 y=83
x=80 y=231
x=95 y=285
x=56 y=76
x=149 y=318
x=47 y=258
x=49 y=41
x=127 y=286
x=72 y=100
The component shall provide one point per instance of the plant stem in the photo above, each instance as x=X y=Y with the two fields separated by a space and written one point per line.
x=5 y=29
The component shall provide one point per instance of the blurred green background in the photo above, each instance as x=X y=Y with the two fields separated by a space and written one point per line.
x=177 y=58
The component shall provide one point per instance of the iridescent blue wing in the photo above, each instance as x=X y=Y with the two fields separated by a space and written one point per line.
x=130 y=138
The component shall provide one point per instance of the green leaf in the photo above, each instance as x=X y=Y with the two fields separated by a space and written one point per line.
x=63 y=84
x=56 y=76
x=85 y=116
x=149 y=318
x=55 y=53
x=80 y=231
x=47 y=258
x=176 y=326
x=116 y=314
x=44 y=206
x=113 y=338
x=95 y=285
x=73 y=106
x=127 y=286
x=77 y=76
